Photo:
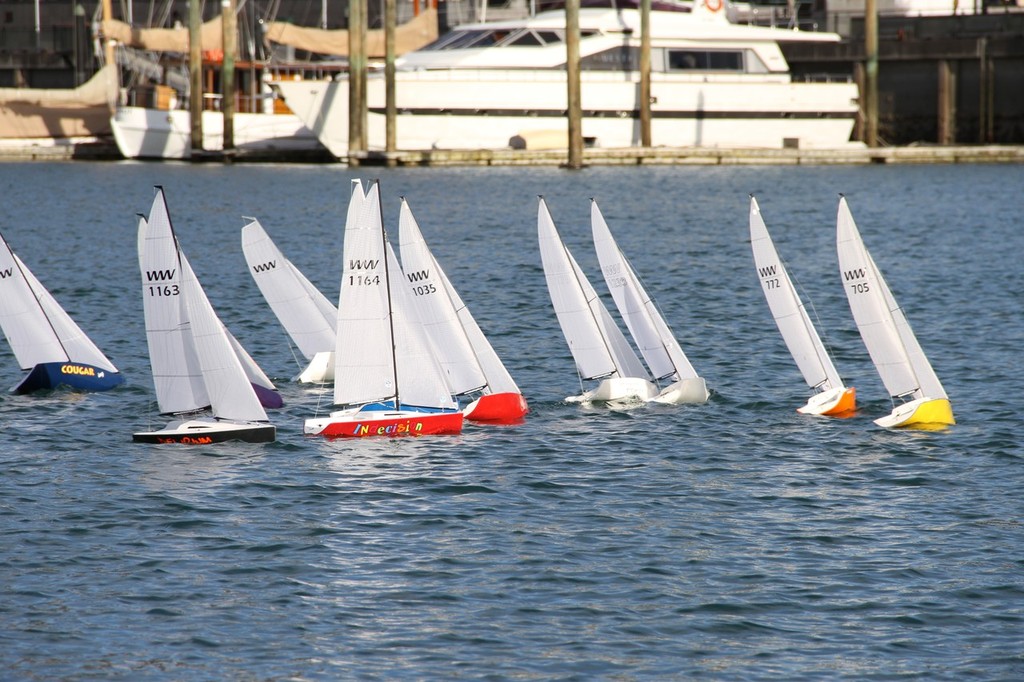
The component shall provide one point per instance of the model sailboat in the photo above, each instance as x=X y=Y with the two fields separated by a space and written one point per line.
x=815 y=364
x=598 y=346
x=902 y=365
x=305 y=313
x=387 y=380
x=197 y=371
x=44 y=338
x=469 y=362
x=657 y=344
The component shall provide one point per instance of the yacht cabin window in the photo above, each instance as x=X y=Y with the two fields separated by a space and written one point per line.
x=705 y=60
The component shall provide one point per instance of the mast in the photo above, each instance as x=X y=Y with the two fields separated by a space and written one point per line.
x=387 y=289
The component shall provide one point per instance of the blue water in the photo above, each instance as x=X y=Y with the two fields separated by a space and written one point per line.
x=735 y=540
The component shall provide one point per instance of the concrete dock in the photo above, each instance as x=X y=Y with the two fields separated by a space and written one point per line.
x=91 y=149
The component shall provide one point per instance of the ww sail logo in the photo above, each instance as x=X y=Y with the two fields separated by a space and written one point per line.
x=419 y=276
x=265 y=267
x=159 y=275
x=4 y=274
x=849 y=275
x=369 y=264
x=768 y=271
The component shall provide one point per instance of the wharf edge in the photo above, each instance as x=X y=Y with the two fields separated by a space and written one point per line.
x=102 y=150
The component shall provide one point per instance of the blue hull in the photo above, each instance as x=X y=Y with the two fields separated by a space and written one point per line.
x=81 y=377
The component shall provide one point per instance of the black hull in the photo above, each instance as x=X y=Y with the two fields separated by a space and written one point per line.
x=255 y=434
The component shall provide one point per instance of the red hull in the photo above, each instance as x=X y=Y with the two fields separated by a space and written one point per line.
x=420 y=425
x=499 y=408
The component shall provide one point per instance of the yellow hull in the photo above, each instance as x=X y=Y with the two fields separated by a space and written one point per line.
x=924 y=413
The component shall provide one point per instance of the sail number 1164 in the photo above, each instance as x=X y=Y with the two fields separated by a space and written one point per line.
x=363 y=280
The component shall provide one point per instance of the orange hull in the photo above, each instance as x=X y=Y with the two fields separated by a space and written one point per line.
x=498 y=408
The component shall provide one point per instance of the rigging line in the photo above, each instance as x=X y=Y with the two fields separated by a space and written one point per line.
x=808 y=303
x=295 y=356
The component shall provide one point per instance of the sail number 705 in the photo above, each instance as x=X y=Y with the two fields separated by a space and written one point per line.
x=860 y=288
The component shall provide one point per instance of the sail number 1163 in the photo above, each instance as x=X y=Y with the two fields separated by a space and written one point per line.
x=161 y=290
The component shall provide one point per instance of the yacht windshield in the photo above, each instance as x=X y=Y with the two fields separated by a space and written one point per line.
x=523 y=37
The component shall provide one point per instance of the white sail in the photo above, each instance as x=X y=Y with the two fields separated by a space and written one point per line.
x=657 y=344
x=893 y=348
x=73 y=340
x=177 y=375
x=498 y=378
x=597 y=345
x=421 y=380
x=364 y=369
x=230 y=392
x=24 y=323
x=435 y=309
x=307 y=316
x=374 y=324
x=789 y=312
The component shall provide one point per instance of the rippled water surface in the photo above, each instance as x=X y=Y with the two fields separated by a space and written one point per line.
x=732 y=540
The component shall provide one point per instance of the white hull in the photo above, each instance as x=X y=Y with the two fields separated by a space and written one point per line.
x=320 y=369
x=478 y=109
x=619 y=390
x=143 y=133
x=682 y=392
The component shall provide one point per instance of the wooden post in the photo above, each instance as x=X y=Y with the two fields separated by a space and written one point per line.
x=356 y=76
x=572 y=74
x=195 y=72
x=946 y=115
x=229 y=21
x=859 y=129
x=108 y=57
x=645 y=73
x=984 y=114
x=390 y=105
x=870 y=94
x=990 y=105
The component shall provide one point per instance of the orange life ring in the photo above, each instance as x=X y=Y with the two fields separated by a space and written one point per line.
x=713 y=5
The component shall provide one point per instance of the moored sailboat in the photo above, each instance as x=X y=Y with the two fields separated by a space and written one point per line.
x=598 y=346
x=387 y=380
x=198 y=374
x=832 y=396
x=655 y=340
x=902 y=365
x=470 y=364
x=44 y=338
